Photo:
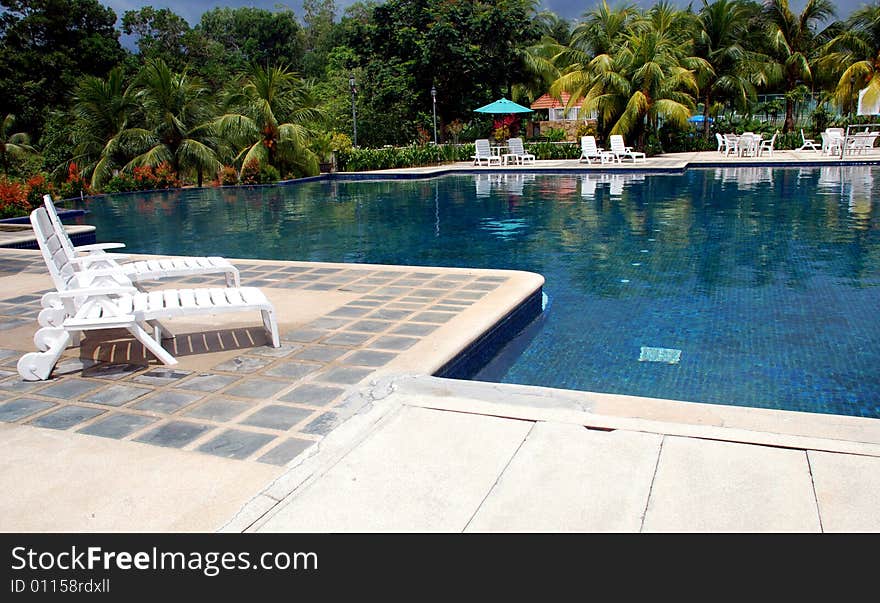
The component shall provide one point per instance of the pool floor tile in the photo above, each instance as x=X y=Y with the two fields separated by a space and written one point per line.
x=235 y=444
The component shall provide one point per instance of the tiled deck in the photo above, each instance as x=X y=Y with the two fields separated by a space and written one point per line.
x=231 y=395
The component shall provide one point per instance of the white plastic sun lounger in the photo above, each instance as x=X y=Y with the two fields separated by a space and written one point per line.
x=104 y=298
x=620 y=149
x=145 y=270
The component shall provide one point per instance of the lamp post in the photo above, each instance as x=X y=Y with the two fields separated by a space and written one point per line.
x=354 y=119
x=434 y=104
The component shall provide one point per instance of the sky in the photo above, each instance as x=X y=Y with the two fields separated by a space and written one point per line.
x=192 y=10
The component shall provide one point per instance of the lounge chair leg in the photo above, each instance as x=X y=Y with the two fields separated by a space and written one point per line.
x=271 y=327
x=151 y=344
x=233 y=279
x=37 y=366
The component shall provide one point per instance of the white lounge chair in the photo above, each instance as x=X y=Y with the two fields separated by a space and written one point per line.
x=483 y=152
x=620 y=150
x=589 y=150
x=88 y=299
x=808 y=143
x=144 y=270
x=517 y=152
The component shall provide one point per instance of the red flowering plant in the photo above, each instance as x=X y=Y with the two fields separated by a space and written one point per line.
x=75 y=185
x=37 y=186
x=505 y=127
x=13 y=199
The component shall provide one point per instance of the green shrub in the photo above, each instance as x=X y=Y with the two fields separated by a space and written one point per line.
x=227 y=176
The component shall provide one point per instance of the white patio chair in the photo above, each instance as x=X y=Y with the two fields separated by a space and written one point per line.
x=89 y=299
x=808 y=143
x=731 y=145
x=831 y=143
x=748 y=144
x=483 y=152
x=517 y=153
x=766 y=146
x=141 y=270
x=620 y=150
x=589 y=150
x=722 y=144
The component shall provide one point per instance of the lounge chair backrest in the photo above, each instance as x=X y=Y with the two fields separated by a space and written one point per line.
x=588 y=146
x=58 y=226
x=515 y=145
x=54 y=253
x=617 y=144
x=482 y=147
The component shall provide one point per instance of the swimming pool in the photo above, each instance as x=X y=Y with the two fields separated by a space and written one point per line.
x=752 y=286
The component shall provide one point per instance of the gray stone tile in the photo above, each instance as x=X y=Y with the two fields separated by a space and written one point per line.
x=167 y=401
x=321 y=286
x=291 y=370
x=283 y=350
x=348 y=339
x=69 y=389
x=434 y=317
x=357 y=288
x=366 y=303
x=304 y=335
x=321 y=353
x=394 y=342
x=118 y=425
x=256 y=388
x=162 y=376
x=312 y=394
x=286 y=451
x=370 y=326
x=13 y=323
x=207 y=383
x=328 y=324
x=277 y=416
x=369 y=358
x=466 y=295
x=4 y=353
x=218 y=409
x=348 y=312
x=323 y=424
x=480 y=286
x=70 y=366
x=175 y=434
x=445 y=284
x=105 y=370
x=492 y=279
x=66 y=417
x=17 y=385
x=22 y=299
x=117 y=395
x=415 y=330
x=20 y=408
x=389 y=314
x=344 y=374
x=243 y=364
x=432 y=293
x=235 y=444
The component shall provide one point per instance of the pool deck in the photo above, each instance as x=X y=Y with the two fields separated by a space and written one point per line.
x=344 y=429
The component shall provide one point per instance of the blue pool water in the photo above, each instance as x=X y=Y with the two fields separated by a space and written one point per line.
x=763 y=283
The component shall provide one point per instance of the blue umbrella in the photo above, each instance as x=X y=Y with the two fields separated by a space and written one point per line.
x=698 y=119
x=503 y=105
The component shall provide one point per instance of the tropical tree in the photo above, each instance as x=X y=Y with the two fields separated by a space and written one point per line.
x=12 y=144
x=854 y=56
x=102 y=109
x=721 y=30
x=795 y=41
x=178 y=114
x=646 y=72
x=270 y=118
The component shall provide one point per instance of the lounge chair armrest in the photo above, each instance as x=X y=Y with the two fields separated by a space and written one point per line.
x=98 y=247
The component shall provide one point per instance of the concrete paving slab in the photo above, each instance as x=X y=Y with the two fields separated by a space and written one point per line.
x=423 y=471
x=566 y=478
x=108 y=485
x=848 y=490
x=711 y=486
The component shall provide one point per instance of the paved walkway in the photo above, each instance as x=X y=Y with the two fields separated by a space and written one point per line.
x=342 y=429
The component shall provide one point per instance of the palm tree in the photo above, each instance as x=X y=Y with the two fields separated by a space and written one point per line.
x=178 y=115
x=271 y=117
x=722 y=27
x=795 y=40
x=101 y=110
x=12 y=145
x=644 y=72
x=854 y=54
